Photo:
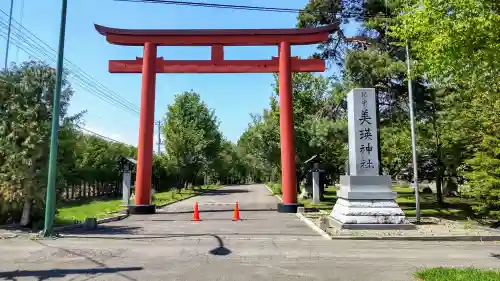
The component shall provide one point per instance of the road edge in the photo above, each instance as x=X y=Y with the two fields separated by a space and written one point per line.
x=272 y=193
x=443 y=238
x=313 y=226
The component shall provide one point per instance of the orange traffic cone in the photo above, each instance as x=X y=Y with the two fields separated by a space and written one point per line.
x=196 y=213
x=236 y=212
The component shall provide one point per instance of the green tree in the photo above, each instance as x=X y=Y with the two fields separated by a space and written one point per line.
x=371 y=59
x=25 y=114
x=455 y=45
x=192 y=135
x=320 y=128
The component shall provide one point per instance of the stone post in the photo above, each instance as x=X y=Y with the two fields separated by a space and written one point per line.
x=316 y=191
x=127 y=175
x=365 y=198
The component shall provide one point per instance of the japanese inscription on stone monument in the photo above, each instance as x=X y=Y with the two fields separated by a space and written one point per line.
x=363 y=153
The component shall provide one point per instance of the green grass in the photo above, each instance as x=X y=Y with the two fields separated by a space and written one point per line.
x=275 y=188
x=77 y=211
x=452 y=208
x=455 y=274
x=173 y=196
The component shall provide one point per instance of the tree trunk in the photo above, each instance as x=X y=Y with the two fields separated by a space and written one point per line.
x=439 y=182
x=439 y=154
x=26 y=216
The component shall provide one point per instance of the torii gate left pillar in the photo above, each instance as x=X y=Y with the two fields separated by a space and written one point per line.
x=146 y=131
x=150 y=65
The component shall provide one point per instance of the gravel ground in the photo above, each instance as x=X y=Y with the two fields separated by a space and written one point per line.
x=428 y=227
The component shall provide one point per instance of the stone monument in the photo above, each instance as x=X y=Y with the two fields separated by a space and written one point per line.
x=127 y=175
x=127 y=166
x=365 y=198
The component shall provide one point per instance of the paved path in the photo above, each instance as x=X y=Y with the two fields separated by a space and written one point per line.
x=264 y=246
x=257 y=211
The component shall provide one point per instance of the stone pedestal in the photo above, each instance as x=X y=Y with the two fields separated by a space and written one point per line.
x=367 y=202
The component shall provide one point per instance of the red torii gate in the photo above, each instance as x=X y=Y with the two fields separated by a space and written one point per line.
x=216 y=39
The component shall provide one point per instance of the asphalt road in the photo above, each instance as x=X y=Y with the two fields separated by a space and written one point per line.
x=265 y=245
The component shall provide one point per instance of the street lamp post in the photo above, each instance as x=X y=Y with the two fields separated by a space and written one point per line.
x=8 y=35
x=50 y=204
x=413 y=137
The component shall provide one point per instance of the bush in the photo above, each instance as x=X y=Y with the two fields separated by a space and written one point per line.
x=484 y=179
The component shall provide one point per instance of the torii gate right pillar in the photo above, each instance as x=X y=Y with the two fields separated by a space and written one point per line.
x=288 y=177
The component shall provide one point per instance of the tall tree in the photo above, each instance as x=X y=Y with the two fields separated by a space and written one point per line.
x=319 y=123
x=25 y=114
x=455 y=44
x=192 y=135
x=371 y=59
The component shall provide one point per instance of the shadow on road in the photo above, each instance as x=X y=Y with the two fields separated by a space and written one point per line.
x=101 y=268
x=109 y=232
x=106 y=229
x=209 y=219
x=60 y=273
x=132 y=233
x=219 y=250
x=493 y=255
x=223 y=192
x=159 y=212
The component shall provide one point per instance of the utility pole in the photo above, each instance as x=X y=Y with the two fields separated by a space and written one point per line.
x=8 y=35
x=413 y=137
x=50 y=203
x=159 y=143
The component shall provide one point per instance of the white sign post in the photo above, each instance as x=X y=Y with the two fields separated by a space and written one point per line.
x=316 y=191
x=365 y=198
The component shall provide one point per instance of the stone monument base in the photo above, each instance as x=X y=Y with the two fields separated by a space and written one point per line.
x=368 y=214
x=367 y=202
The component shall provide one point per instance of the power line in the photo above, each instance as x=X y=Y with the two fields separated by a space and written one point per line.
x=96 y=88
x=221 y=6
x=85 y=130
x=83 y=82
x=250 y=8
x=100 y=136
x=8 y=34
x=23 y=36
x=14 y=40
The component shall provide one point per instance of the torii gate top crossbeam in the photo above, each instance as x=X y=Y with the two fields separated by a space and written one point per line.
x=209 y=37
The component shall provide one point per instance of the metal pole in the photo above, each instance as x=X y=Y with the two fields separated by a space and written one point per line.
x=413 y=137
x=159 y=137
x=50 y=204
x=8 y=35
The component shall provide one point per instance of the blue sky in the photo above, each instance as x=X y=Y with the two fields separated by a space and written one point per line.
x=232 y=96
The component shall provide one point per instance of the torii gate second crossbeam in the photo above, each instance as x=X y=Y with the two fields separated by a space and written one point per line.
x=150 y=65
